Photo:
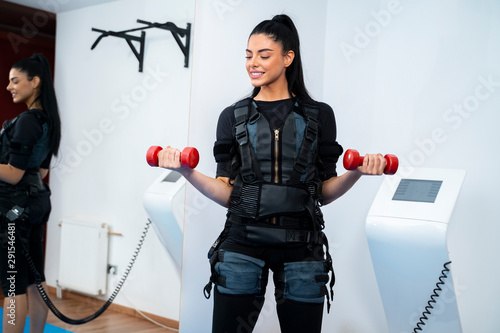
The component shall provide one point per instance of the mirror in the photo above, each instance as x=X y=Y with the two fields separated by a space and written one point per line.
x=111 y=114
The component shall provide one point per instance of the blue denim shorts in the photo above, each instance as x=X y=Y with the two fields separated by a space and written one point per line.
x=241 y=274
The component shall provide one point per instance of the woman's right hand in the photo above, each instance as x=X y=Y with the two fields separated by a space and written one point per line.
x=216 y=189
x=170 y=158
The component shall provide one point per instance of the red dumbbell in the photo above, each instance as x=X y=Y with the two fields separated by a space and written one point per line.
x=189 y=156
x=352 y=160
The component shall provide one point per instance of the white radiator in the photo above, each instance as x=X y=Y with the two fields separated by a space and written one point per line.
x=83 y=256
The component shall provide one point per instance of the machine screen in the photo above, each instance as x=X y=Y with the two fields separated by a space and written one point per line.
x=172 y=177
x=417 y=190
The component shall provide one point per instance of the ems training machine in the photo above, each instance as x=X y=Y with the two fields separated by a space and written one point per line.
x=164 y=202
x=406 y=230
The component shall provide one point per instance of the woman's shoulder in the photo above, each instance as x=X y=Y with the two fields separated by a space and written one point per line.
x=228 y=112
x=30 y=121
x=324 y=109
x=322 y=106
x=33 y=115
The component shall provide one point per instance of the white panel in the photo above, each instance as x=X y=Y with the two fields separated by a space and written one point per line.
x=83 y=256
x=439 y=211
x=408 y=257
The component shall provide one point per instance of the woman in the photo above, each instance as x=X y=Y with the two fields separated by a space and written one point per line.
x=27 y=145
x=276 y=156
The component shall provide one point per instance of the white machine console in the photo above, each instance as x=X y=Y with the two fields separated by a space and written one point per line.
x=164 y=203
x=406 y=230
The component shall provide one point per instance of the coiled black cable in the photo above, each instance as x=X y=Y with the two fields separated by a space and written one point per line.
x=59 y=314
x=429 y=307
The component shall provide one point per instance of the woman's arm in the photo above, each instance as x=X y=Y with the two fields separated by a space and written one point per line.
x=10 y=174
x=43 y=172
x=216 y=189
x=335 y=187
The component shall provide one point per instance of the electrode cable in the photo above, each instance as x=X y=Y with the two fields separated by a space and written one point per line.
x=434 y=296
x=59 y=314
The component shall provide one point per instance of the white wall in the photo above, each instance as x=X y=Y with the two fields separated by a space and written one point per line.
x=395 y=88
x=111 y=114
x=395 y=83
x=395 y=73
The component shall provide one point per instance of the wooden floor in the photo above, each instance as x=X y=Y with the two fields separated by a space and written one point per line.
x=110 y=321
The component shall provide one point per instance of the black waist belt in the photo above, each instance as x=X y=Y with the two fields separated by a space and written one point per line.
x=262 y=200
x=265 y=235
x=300 y=222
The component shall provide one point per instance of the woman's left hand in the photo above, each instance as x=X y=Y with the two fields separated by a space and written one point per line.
x=373 y=164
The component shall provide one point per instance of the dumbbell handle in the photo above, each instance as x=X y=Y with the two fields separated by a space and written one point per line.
x=189 y=156
x=352 y=161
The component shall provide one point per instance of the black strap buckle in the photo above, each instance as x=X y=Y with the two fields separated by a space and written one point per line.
x=241 y=134
x=14 y=213
x=311 y=129
x=207 y=290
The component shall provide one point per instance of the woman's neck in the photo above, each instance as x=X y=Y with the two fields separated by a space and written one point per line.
x=34 y=105
x=273 y=93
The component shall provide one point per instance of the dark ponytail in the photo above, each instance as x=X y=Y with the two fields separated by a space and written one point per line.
x=38 y=65
x=282 y=30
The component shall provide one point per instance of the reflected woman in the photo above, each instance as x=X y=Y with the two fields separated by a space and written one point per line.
x=27 y=144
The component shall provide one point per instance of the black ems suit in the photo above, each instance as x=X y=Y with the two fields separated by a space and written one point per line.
x=278 y=154
x=24 y=207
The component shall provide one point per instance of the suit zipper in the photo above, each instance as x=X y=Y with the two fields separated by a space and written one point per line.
x=276 y=162
x=276 y=154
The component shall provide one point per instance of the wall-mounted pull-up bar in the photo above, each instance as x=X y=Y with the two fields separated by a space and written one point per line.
x=177 y=33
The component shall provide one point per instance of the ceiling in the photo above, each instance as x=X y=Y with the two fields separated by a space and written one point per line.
x=12 y=19
x=58 y=6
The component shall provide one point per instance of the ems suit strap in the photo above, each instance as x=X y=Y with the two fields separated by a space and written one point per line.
x=265 y=235
x=244 y=111
x=213 y=257
x=20 y=148
x=249 y=172
x=310 y=136
x=328 y=268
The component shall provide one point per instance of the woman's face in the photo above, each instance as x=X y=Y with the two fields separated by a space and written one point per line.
x=266 y=63
x=22 y=89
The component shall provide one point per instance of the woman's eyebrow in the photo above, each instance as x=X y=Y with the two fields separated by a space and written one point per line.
x=262 y=50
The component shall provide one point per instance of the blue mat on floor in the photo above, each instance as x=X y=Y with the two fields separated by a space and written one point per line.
x=48 y=328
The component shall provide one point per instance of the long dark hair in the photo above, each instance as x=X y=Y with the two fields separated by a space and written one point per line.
x=38 y=65
x=282 y=30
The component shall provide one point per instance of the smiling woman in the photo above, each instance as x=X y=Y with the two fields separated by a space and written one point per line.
x=22 y=89
x=109 y=107
x=110 y=113
x=276 y=155
x=266 y=64
x=27 y=144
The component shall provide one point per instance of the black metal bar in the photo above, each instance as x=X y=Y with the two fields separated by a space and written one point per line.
x=187 y=46
x=139 y=55
x=176 y=33
x=128 y=38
